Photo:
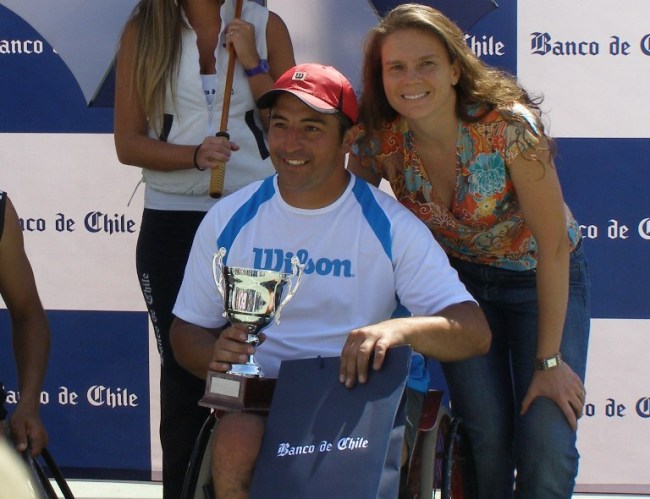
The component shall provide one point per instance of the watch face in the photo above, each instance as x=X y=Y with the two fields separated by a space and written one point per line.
x=549 y=363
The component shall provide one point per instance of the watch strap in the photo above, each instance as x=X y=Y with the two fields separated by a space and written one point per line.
x=544 y=364
x=261 y=68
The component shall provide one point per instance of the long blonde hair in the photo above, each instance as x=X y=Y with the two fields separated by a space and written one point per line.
x=479 y=87
x=157 y=26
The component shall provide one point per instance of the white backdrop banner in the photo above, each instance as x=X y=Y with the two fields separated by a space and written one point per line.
x=591 y=62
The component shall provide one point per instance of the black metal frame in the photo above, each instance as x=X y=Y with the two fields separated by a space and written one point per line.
x=40 y=481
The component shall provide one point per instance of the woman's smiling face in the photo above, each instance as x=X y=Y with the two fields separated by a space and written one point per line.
x=417 y=74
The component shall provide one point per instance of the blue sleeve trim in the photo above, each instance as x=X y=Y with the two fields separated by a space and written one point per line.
x=245 y=214
x=374 y=215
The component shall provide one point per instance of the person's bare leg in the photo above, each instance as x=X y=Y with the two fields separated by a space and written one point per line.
x=235 y=447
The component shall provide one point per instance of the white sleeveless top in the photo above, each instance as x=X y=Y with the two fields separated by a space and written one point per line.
x=190 y=119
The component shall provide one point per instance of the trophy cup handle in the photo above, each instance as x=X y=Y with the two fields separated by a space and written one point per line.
x=217 y=271
x=296 y=273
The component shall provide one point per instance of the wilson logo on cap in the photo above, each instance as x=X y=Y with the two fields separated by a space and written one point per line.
x=299 y=75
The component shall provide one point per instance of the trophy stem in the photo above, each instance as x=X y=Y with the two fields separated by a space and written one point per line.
x=251 y=368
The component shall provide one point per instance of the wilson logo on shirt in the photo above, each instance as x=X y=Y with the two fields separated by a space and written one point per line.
x=279 y=260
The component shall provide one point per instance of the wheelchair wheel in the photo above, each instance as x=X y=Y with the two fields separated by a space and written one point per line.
x=458 y=481
x=446 y=467
x=439 y=463
x=198 y=477
x=40 y=483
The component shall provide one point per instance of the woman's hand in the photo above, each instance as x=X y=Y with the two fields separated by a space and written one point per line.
x=563 y=387
x=241 y=36
x=213 y=151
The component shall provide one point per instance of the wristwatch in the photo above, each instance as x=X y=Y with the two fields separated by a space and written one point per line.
x=548 y=362
x=261 y=68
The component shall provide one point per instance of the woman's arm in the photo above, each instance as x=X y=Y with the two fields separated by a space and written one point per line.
x=280 y=53
x=132 y=143
x=540 y=195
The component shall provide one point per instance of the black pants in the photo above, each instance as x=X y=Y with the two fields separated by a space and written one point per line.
x=163 y=246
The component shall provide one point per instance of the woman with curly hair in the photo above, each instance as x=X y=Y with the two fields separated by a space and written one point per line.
x=464 y=148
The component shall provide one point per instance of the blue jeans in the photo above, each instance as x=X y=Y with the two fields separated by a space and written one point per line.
x=487 y=391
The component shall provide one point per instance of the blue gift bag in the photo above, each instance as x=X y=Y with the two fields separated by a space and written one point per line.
x=325 y=441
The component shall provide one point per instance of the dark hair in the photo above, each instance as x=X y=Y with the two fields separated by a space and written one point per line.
x=345 y=123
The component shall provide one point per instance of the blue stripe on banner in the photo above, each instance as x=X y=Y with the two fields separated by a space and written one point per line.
x=377 y=219
x=244 y=215
x=39 y=93
x=599 y=179
x=95 y=399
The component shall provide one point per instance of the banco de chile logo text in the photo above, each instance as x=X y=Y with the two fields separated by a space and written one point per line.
x=279 y=260
x=541 y=43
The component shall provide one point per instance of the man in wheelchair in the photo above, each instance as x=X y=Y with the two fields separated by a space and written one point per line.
x=365 y=256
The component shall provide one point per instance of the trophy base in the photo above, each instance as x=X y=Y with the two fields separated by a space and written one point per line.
x=236 y=393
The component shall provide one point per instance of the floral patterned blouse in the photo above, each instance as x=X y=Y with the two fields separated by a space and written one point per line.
x=485 y=224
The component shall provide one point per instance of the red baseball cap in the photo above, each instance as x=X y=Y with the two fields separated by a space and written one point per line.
x=323 y=88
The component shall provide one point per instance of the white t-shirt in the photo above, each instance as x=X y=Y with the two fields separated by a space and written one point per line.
x=362 y=254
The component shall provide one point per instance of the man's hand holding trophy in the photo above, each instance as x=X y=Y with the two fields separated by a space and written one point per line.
x=252 y=299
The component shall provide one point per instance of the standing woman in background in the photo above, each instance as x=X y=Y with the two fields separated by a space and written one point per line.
x=463 y=147
x=170 y=80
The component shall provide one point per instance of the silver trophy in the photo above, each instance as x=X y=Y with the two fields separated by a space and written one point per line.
x=252 y=298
